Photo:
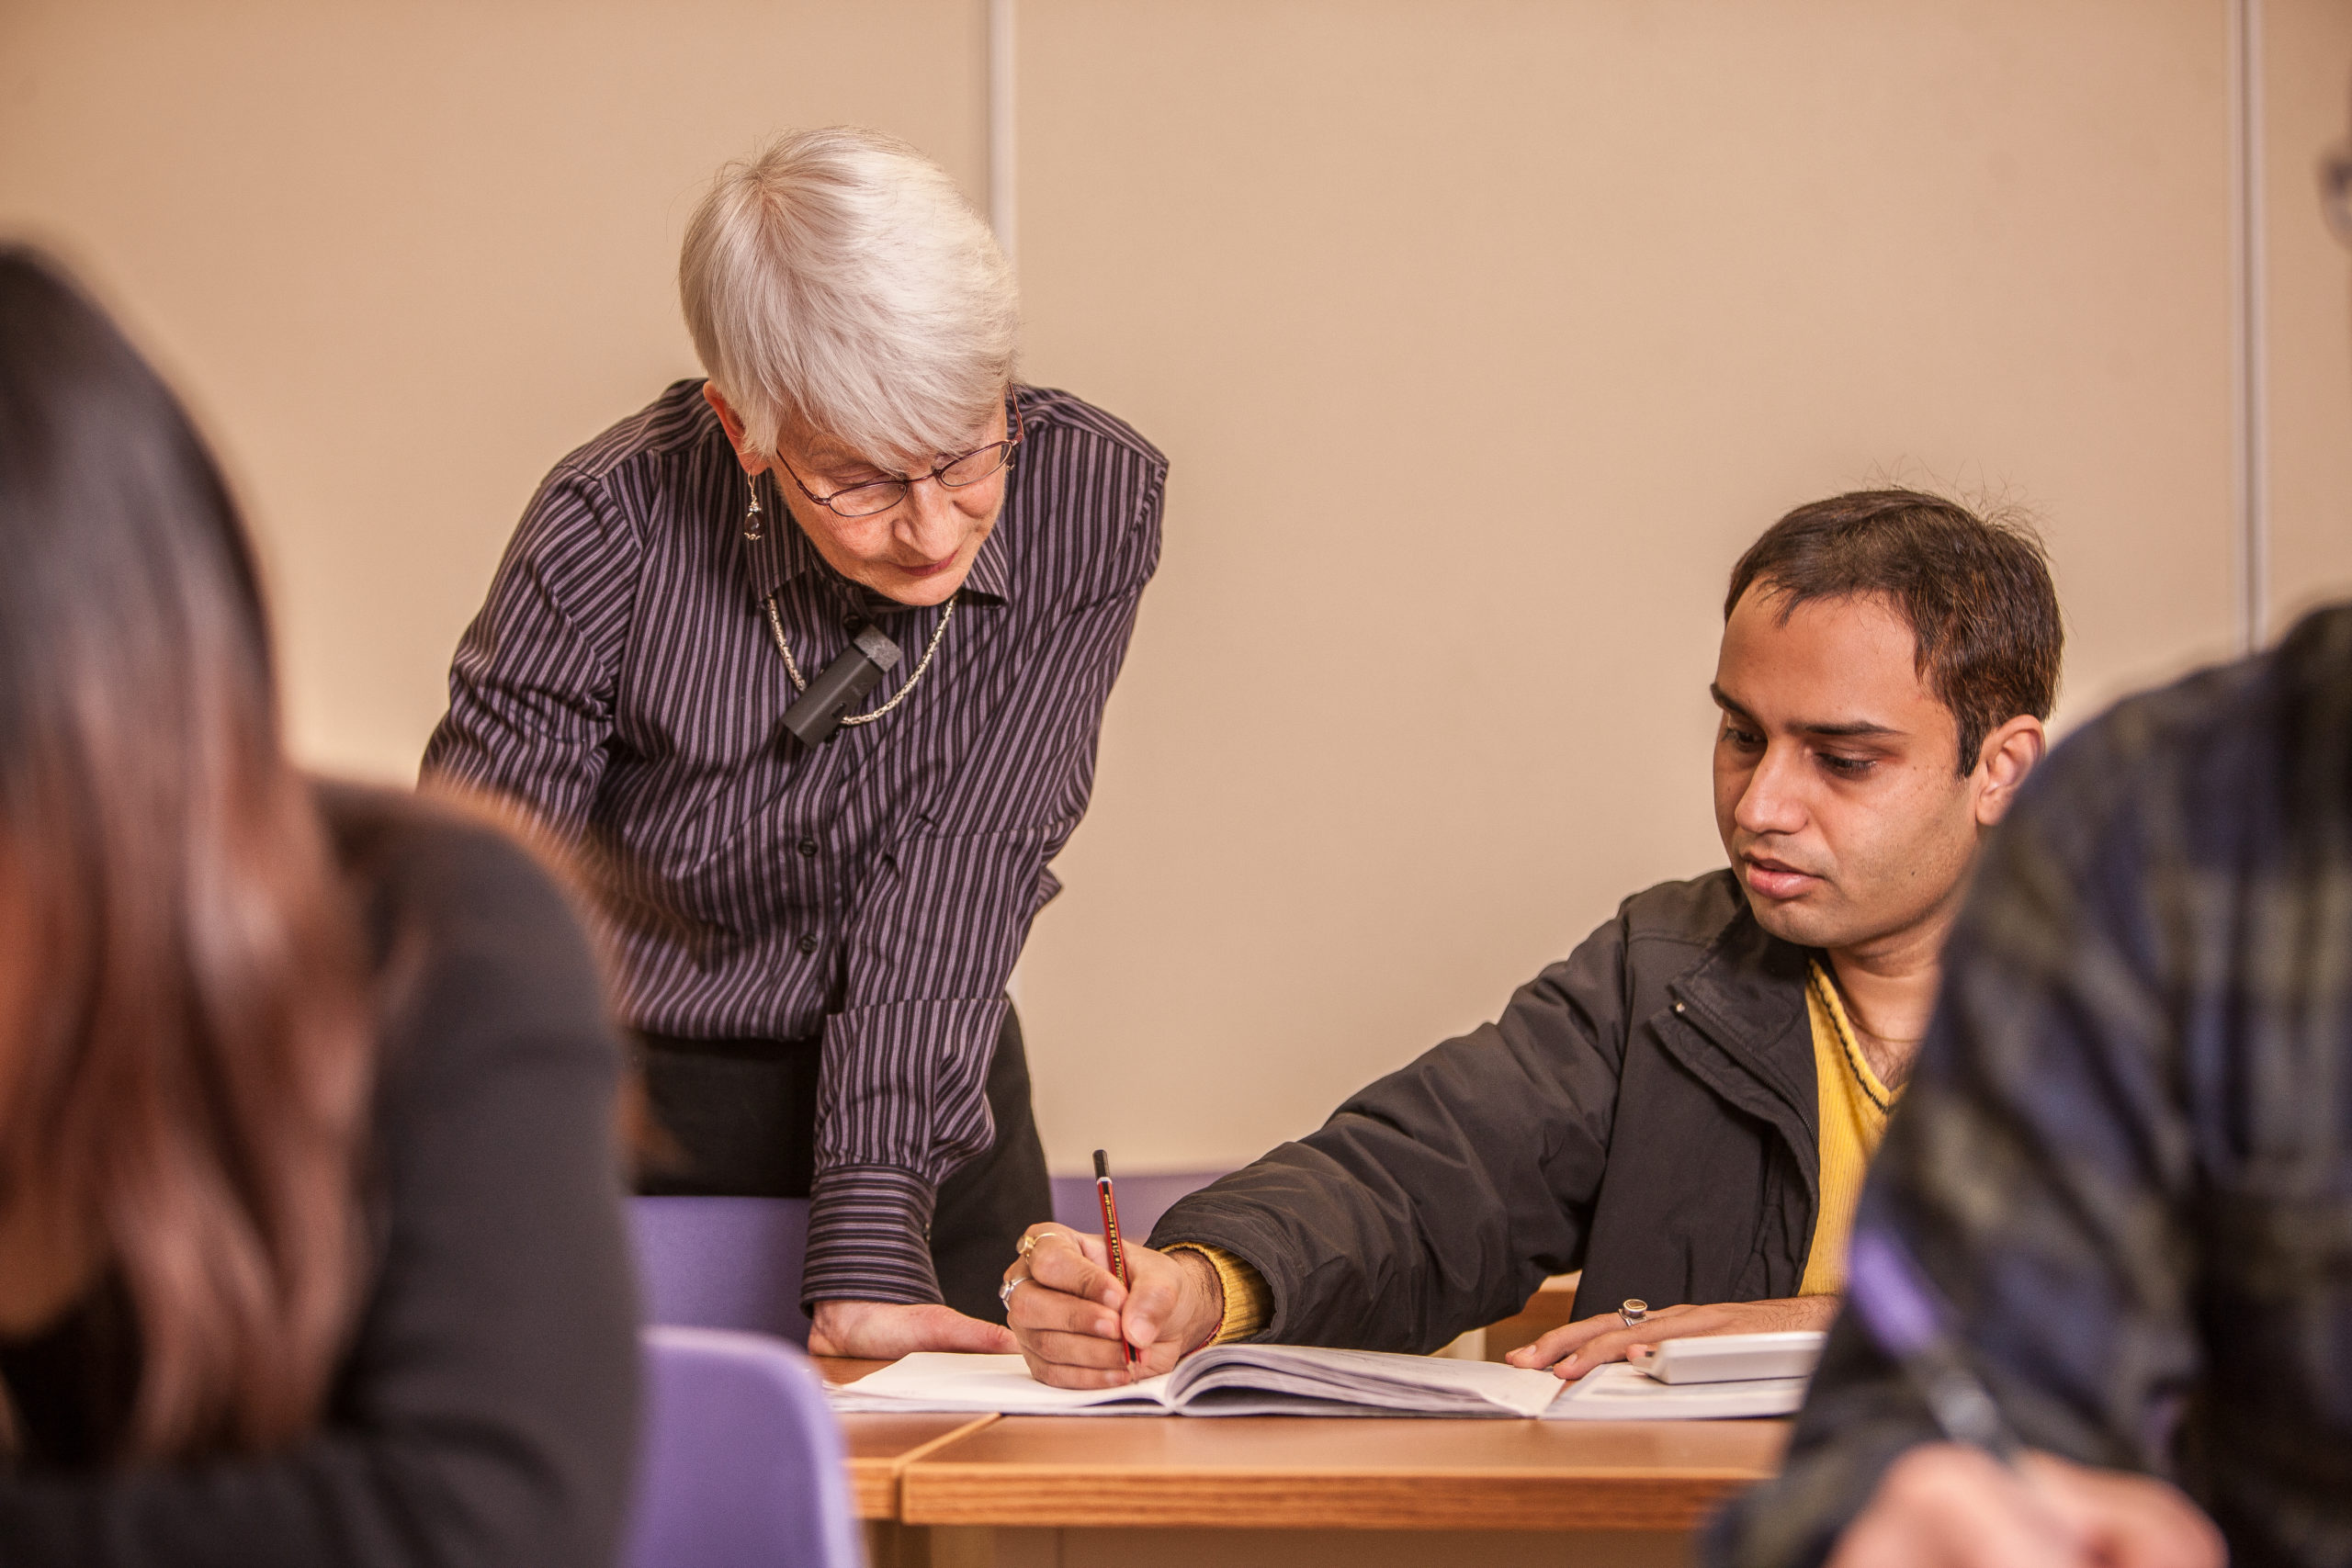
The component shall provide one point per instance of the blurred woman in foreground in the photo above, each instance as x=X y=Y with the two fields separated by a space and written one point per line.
x=310 y=1240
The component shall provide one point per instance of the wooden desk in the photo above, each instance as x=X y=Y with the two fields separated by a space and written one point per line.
x=1312 y=1472
x=1143 y=1492
x=880 y=1448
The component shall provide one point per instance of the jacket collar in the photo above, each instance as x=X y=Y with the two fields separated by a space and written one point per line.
x=1748 y=1034
x=1747 y=993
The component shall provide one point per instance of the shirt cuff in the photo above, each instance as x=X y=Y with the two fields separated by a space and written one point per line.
x=869 y=1237
x=1247 y=1303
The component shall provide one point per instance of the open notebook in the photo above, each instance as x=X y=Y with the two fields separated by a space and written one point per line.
x=1292 y=1380
x=1231 y=1380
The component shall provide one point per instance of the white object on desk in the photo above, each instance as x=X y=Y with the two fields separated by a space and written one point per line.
x=1618 y=1392
x=1736 y=1358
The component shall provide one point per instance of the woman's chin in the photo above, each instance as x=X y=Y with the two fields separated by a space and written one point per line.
x=920 y=591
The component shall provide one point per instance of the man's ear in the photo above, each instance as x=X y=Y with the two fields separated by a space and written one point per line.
x=734 y=427
x=2008 y=755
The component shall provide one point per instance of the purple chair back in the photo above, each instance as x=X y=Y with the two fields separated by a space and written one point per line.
x=1143 y=1198
x=740 y=1463
x=723 y=1262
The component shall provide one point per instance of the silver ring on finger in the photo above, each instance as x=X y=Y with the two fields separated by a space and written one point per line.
x=1633 y=1311
x=1004 y=1292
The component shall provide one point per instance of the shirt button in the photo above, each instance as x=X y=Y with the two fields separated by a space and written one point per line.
x=809 y=847
x=807 y=942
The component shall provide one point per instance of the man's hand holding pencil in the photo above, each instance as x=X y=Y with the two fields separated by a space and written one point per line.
x=1074 y=1321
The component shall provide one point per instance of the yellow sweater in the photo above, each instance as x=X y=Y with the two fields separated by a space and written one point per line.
x=1853 y=1119
x=1247 y=1303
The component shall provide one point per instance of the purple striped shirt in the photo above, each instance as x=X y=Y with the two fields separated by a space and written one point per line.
x=622 y=686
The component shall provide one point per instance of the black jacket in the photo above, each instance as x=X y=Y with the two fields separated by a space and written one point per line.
x=1646 y=1111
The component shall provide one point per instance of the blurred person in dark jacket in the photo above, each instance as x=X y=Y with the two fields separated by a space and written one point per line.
x=1684 y=1107
x=2124 y=1169
x=311 y=1240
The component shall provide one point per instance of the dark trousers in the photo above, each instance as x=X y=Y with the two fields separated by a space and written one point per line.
x=738 y=1118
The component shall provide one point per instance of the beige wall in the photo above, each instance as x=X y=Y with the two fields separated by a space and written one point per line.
x=2310 y=296
x=1481 y=336
x=405 y=255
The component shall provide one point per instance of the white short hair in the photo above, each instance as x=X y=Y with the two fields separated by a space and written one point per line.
x=840 y=277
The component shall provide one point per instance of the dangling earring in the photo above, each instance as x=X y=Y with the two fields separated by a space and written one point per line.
x=754 y=524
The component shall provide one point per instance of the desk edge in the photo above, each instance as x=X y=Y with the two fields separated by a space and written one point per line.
x=1080 y=1496
x=890 y=1482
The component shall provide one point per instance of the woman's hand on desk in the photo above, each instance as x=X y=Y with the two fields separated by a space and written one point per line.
x=884 y=1331
x=1575 y=1348
x=1069 y=1310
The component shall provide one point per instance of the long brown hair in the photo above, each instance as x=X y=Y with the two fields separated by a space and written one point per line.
x=186 y=1049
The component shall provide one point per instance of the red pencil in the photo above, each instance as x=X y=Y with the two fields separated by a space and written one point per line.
x=1111 y=1241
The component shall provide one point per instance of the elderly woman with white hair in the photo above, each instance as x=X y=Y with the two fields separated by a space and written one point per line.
x=807 y=662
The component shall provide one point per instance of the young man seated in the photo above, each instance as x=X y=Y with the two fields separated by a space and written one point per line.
x=1683 y=1109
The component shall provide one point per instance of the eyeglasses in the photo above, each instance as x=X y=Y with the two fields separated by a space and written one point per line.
x=2335 y=189
x=877 y=496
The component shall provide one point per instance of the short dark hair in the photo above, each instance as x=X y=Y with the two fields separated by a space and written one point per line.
x=1978 y=593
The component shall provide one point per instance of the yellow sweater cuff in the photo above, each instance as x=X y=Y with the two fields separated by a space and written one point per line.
x=1247 y=1303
